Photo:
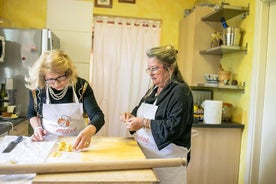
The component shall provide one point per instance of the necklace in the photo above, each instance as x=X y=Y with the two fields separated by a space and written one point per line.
x=59 y=95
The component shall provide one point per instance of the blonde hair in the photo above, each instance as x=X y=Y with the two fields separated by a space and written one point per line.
x=55 y=61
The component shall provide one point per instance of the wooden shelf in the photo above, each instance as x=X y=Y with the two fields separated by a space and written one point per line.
x=225 y=11
x=223 y=49
x=227 y=87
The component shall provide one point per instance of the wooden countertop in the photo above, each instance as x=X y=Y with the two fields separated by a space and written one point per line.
x=101 y=149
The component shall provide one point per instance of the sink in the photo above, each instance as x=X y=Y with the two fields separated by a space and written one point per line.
x=5 y=126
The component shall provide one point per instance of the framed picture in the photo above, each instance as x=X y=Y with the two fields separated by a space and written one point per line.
x=127 y=1
x=103 y=3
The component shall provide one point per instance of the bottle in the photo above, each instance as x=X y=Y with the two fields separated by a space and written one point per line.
x=223 y=22
x=1 y=101
x=4 y=98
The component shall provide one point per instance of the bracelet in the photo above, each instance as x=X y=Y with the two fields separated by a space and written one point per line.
x=36 y=128
x=146 y=124
x=143 y=122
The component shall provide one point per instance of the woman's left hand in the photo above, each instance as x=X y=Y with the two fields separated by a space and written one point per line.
x=83 y=140
x=134 y=124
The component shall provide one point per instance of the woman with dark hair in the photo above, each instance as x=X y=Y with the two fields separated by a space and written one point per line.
x=162 y=121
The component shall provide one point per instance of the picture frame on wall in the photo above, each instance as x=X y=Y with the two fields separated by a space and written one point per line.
x=103 y=3
x=127 y=1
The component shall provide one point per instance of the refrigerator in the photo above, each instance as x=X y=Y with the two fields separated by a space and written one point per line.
x=19 y=49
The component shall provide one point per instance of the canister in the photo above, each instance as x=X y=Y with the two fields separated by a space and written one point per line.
x=232 y=36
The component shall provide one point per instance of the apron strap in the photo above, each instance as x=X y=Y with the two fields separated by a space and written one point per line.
x=47 y=94
x=76 y=100
x=154 y=103
x=83 y=91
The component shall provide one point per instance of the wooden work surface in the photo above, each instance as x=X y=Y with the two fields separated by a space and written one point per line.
x=101 y=149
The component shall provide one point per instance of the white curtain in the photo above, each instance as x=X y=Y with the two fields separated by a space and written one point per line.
x=119 y=79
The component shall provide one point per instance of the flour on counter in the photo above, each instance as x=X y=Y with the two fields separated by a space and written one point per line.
x=26 y=152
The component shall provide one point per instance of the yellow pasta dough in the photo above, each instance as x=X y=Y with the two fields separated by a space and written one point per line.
x=69 y=148
x=63 y=146
x=57 y=154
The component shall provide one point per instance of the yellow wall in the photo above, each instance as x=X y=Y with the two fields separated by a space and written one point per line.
x=1 y=7
x=22 y=14
x=170 y=12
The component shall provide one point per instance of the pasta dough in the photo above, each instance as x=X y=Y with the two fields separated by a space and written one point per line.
x=62 y=146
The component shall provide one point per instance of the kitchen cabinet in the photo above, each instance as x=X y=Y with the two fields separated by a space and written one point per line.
x=215 y=154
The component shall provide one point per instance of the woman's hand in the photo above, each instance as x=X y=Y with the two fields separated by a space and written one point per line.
x=125 y=116
x=83 y=140
x=39 y=133
x=134 y=124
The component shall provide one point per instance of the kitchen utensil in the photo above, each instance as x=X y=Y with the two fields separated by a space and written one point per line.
x=211 y=77
x=227 y=109
x=12 y=144
x=231 y=36
x=91 y=166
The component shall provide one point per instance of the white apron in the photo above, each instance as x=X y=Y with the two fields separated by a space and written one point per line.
x=65 y=119
x=167 y=175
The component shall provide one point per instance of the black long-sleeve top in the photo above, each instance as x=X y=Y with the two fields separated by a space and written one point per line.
x=90 y=105
x=174 y=115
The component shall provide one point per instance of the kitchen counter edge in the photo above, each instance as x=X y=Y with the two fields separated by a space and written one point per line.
x=222 y=125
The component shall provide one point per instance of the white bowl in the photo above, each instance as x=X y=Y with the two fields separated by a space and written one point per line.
x=211 y=77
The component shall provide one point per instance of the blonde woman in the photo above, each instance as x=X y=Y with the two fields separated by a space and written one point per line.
x=58 y=100
x=162 y=121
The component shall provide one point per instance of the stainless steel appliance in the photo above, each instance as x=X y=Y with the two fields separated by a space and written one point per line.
x=22 y=49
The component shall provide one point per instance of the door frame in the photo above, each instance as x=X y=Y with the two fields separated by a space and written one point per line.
x=257 y=92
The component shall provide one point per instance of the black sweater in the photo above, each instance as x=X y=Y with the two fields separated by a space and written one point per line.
x=90 y=105
x=174 y=116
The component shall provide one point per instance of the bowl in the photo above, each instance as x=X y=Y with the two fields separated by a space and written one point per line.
x=211 y=77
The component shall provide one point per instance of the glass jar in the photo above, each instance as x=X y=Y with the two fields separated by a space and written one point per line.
x=227 y=110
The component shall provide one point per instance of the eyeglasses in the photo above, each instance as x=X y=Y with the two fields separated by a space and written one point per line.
x=54 y=80
x=152 y=69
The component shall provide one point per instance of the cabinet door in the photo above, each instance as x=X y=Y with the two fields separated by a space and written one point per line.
x=215 y=155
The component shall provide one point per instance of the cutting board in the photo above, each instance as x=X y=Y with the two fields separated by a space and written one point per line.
x=100 y=149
